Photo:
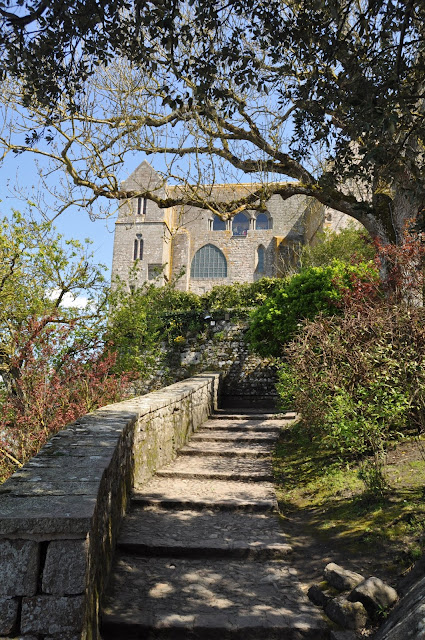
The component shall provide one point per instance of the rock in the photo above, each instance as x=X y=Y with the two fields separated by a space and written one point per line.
x=317 y=596
x=374 y=594
x=19 y=566
x=409 y=624
x=343 y=635
x=8 y=615
x=50 y=615
x=351 y=615
x=340 y=578
x=70 y=556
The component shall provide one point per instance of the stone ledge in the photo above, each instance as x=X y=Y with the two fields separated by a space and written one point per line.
x=63 y=509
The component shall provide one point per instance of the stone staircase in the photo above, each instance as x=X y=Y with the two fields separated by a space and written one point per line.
x=201 y=554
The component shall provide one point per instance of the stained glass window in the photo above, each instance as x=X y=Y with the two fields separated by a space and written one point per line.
x=209 y=262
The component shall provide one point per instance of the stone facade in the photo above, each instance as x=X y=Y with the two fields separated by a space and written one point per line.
x=171 y=238
x=60 y=514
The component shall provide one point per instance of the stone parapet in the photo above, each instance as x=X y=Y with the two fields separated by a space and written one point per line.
x=60 y=514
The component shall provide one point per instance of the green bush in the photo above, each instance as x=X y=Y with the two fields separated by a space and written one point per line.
x=140 y=320
x=358 y=381
x=239 y=295
x=348 y=245
x=314 y=290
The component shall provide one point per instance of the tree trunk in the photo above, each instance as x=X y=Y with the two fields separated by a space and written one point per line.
x=400 y=251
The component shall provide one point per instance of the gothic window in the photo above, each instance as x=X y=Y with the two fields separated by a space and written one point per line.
x=262 y=222
x=261 y=259
x=138 y=249
x=240 y=225
x=208 y=262
x=218 y=224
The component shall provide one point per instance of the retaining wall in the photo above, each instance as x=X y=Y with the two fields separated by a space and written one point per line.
x=248 y=380
x=60 y=514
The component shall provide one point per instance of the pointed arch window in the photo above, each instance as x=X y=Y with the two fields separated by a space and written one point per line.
x=262 y=222
x=240 y=225
x=138 y=248
x=218 y=224
x=209 y=262
x=261 y=259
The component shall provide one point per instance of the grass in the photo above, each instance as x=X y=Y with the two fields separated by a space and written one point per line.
x=332 y=498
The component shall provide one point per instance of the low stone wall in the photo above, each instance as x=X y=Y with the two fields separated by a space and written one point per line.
x=248 y=380
x=407 y=620
x=60 y=514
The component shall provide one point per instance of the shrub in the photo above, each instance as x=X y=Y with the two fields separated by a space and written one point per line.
x=60 y=379
x=140 y=320
x=239 y=295
x=359 y=380
x=314 y=290
x=349 y=245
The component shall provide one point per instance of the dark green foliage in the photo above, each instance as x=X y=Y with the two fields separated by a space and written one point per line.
x=314 y=290
x=343 y=80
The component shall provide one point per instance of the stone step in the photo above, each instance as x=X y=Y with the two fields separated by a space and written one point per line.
x=220 y=468
x=160 y=532
x=199 y=494
x=256 y=426
x=258 y=415
x=182 y=599
x=211 y=435
x=234 y=449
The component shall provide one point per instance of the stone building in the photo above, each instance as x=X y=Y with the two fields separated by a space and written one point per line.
x=204 y=248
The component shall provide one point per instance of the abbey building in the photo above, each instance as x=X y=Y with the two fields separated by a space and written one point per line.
x=204 y=248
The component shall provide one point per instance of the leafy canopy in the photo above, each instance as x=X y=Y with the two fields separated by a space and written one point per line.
x=263 y=88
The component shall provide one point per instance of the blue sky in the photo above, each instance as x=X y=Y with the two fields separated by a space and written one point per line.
x=74 y=223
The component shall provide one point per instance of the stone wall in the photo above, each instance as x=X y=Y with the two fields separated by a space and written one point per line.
x=60 y=514
x=248 y=380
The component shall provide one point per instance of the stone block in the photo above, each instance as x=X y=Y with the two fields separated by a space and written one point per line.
x=343 y=635
x=8 y=615
x=61 y=636
x=340 y=578
x=410 y=625
x=350 y=615
x=374 y=594
x=21 y=638
x=317 y=596
x=65 y=567
x=19 y=563
x=51 y=615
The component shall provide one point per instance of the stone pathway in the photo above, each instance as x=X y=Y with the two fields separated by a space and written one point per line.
x=201 y=553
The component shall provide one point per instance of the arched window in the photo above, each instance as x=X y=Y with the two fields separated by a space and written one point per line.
x=218 y=224
x=240 y=225
x=262 y=222
x=261 y=259
x=138 y=249
x=208 y=262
